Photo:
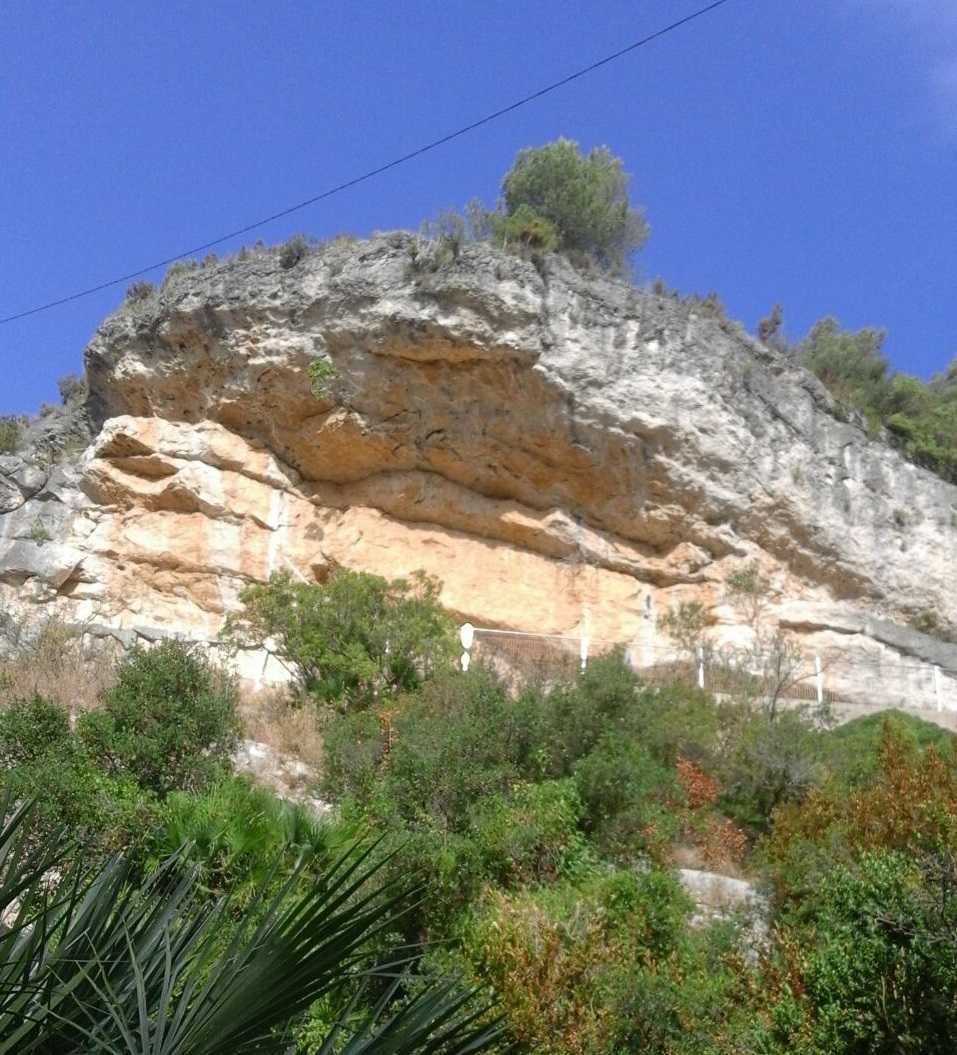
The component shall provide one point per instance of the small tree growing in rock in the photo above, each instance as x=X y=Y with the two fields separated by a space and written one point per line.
x=685 y=624
x=748 y=591
x=72 y=388
x=140 y=290
x=781 y=666
x=169 y=722
x=292 y=251
x=769 y=328
x=11 y=430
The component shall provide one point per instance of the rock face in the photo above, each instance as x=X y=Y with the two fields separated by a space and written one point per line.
x=546 y=444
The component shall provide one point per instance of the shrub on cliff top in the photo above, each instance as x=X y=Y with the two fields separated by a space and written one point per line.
x=292 y=251
x=920 y=417
x=72 y=388
x=141 y=290
x=554 y=194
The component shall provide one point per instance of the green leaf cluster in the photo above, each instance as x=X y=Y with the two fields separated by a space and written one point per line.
x=11 y=431
x=169 y=723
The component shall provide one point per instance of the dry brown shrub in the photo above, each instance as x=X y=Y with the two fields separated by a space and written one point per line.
x=552 y=973
x=54 y=662
x=270 y=717
x=711 y=841
x=910 y=805
x=700 y=788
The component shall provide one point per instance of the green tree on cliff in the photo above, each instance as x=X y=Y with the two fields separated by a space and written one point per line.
x=556 y=197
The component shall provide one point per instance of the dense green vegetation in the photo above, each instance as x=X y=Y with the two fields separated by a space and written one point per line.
x=122 y=961
x=546 y=820
x=547 y=824
x=519 y=841
x=232 y=922
x=353 y=639
x=11 y=430
x=919 y=418
x=489 y=835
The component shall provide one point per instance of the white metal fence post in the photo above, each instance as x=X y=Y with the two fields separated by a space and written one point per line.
x=467 y=637
x=585 y=635
x=700 y=667
x=938 y=693
x=819 y=680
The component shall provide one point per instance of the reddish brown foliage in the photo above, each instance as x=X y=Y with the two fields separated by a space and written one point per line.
x=909 y=805
x=715 y=838
x=699 y=788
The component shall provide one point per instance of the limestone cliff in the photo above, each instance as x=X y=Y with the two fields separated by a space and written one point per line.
x=543 y=442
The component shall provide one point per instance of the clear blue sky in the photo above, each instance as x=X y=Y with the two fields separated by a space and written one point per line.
x=801 y=151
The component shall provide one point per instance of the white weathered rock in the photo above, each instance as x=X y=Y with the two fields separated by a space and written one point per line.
x=289 y=777
x=720 y=897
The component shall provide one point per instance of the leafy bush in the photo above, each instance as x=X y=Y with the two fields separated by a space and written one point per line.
x=532 y=836
x=177 y=268
x=115 y=960
x=685 y=624
x=322 y=375
x=39 y=533
x=855 y=748
x=776 y=758
x=43 y=761
x=32 y=728
x=921 y=418
x=874 y=974
x=169 y=723
x=463 y=738
x=908 y=805
x=354 y=746
x=556 y=194
x=526 y=229
x=353 y=639
x=72 y=387
x=582 y=711
x=630 y=799
x=537 y=820
x=852 y=365
x=678 y=721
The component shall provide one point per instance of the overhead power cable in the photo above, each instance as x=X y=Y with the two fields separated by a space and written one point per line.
x=356 y=180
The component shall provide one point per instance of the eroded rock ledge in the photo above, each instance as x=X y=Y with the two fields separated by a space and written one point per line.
x=542 y=442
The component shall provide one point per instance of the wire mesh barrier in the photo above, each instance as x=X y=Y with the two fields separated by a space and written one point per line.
x=538 y=657
x=782 y=673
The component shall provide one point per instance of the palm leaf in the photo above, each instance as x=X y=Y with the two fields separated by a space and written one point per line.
x=107 y=964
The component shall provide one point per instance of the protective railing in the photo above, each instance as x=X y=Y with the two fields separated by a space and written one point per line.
x=782 y=673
